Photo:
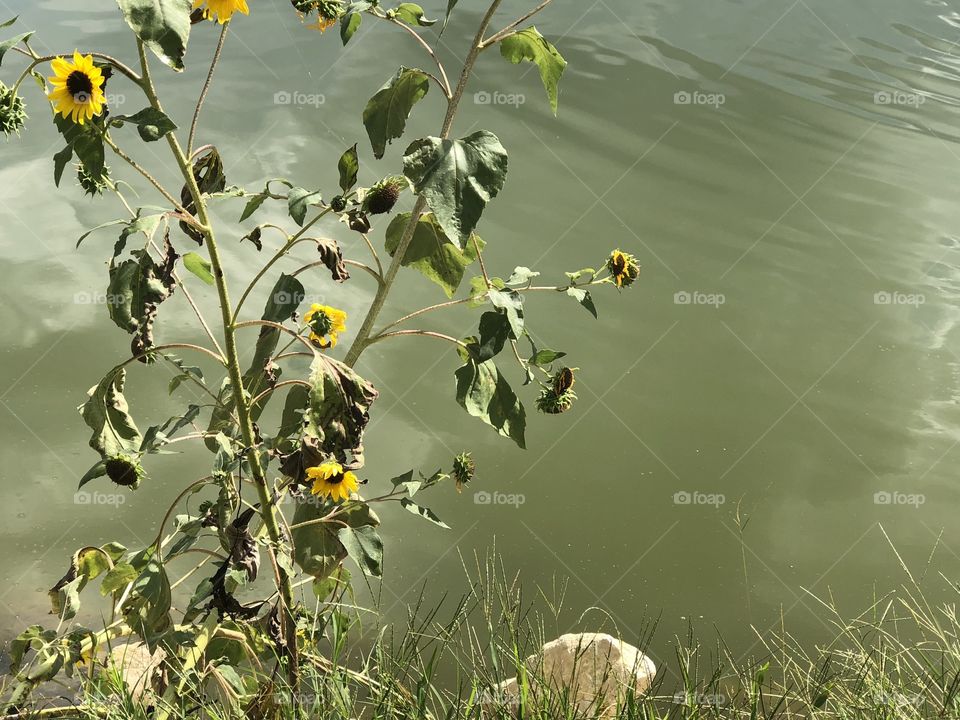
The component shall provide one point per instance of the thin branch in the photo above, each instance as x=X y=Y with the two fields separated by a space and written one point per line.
x=497 y=37
x=285 y=383
x=424 y=333
x=153 y=181
x=206 y=88
x=444 y=83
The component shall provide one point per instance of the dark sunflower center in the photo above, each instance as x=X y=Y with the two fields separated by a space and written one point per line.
x=80 y=86
x=321 y=323
x=335 y=480
x=619 y=265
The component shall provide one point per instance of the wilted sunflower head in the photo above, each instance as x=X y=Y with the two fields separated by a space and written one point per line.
x=328 y=12
x=623 y=268
x=558 y=396
x=464 y=469
x=222 y=9
x=332 y=481
x=325 y=324
x=383 y=196
x=12 y=112
x=125 y=471
x=93 y=183
x=77 y=88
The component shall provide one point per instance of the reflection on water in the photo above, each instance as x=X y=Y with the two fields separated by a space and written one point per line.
x=794 y=159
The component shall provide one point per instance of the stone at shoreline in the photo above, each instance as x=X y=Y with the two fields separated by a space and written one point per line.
x=136 y=667
x=594 y=671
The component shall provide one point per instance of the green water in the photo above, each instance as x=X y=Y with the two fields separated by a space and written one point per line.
x=787 y=189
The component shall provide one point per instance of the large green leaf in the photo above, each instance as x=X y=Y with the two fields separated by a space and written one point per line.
x=432 y=252
x=152 y=124
x=147 y=607
x=317 y=548
x=106 y=413
x=348 y=166
x=8 y=45
x=162 y=25
x=137 y=286
x=299 y=200
x=85 y=141
x=529 y=44
x=457 y=178
x=385 y=115
x=484 y=393
x=365 y=547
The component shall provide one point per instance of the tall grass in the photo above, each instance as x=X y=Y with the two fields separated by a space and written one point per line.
x=897 y=660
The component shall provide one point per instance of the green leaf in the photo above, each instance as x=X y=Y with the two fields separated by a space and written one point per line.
x=365 y=548
x=106 y=413
x=352 y=17
x=386 y=113
x=412 y=14
x=584 y=298
x=162 y=25
x=8 y=45
x=122 y=575
x=451 y=4
x=522 y=276
x=545 y=357
x=529 y=44
x=317 y=549
x=8 y=23
x=253 y=204
x=423 y=512
x=199 y=266
x=494 y=333
x=152 y=124
x=457 y=178
x=147 y=608
x=60 y=162
x=86 y=142
x=431 y=251
x=349 y=166
x=136 y=287
x=299 y=200
x=511 y=303
x=484 y=393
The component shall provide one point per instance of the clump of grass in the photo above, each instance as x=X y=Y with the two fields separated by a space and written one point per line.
x=897 y=660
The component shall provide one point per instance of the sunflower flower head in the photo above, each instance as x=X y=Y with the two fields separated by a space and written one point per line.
x=558 y=396
x=125 y=471
x=77 y=88
x=12 y=112
x=223 y=10
x=464 y=470
x=325 y=324
x=93 y=183
x=330 y=480
x=328 y=12
x=623 y=268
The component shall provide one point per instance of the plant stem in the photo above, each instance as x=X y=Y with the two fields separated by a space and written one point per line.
x=363 y=336
x=268 y=510
x=497 y=37
x=206 y=89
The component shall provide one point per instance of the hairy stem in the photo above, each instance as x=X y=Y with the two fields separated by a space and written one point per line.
x=206 y=88
x=268 y=509
x=366 y=329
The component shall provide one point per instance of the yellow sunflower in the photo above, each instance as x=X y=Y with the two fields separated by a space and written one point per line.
x=325 y=324
x=330 y=480
x=77 y=88
x=223 y=9
x=623 y=267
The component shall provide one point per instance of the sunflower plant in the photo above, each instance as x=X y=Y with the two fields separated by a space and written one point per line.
x=292 y=490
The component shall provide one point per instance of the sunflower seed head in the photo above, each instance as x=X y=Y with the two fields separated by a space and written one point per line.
x=381 y=198
x=464 y=469
x=125 y=471
x=12 y=111
x=93 y=184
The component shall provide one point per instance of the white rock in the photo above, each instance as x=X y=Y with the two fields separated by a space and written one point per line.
x=594 y=671
x=137 y=667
